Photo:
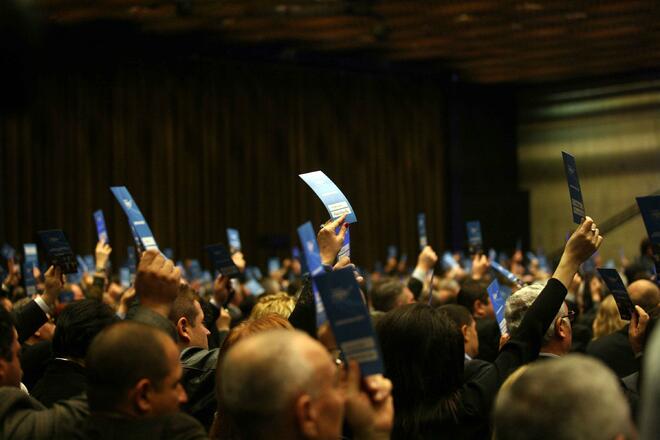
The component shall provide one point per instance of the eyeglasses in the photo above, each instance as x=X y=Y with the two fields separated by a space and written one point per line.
x=570 y=315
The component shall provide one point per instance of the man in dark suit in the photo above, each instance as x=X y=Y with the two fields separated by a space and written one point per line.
x=614 y=349
x=474 y=296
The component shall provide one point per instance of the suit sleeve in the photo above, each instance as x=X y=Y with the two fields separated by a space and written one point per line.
x=28 y=320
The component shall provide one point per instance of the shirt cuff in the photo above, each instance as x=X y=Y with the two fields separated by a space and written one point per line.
x=43 y=306
x=419 y=274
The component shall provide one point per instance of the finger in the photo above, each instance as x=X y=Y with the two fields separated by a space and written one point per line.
x=336 y=222
x=586 y=225
x=168 y=267
x=599 y=241
x=353 y=378
x=176 y=273
x=148 y=257
x=50 y=271
x=342 y=232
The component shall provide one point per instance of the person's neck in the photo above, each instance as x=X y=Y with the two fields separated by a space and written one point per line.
x=553 y=347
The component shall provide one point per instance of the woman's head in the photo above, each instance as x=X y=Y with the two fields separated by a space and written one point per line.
x=607 y=319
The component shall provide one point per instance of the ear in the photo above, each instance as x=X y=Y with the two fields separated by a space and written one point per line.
x=182 y=329
x=478 y=307
x=142 y=396
x=560 y=328
x=306 y=416
x=465 y=329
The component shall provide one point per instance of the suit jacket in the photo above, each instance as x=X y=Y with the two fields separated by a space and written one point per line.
x=62 y=380
x=34 y=360
x=198 y=380
x=179 y=426
x=615 y=351
x=23 y=417
x=489 y=334
x=147 y=316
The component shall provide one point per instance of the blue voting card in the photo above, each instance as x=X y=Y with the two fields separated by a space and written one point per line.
x=334 y=200
x=614 y=283
x=273 y=265
x=350 y=319
x=345 y=250
x=448 y=261
x=254 y=287
x=31 y=261
x=234 y=239
x=124 y=277
x=475 y=241
x=506 y=273
x=169 y=253
x=498 y=305
x=135 y=217
x=295 y=253
x=221 y=260
x=131 y=260
x=89 y=261
x=577 y=204
x=421 y=230
x=492 y=254
x=7 y=252
x=505 y=292
x=392 y=252
x=530 y=256
x=649 y=207
x=101 y=230
x=58 y=250
x=82 y=265
x=310 y=248
x=195 y=270
x=256 y=272
x=321 y=316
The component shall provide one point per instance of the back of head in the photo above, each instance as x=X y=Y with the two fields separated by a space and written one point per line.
x=262 y=376
x=184 y=305
x=458 y=314
x=471 y=291
x=423 y=354
x=119 y=357
x=607 y=319
x=646 y=294
x=278 y=303
x=518 y=303
x=77 y=326
x=385 y=293
x=575 y=397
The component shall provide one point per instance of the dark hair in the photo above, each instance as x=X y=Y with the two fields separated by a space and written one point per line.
x=77 y=326
x=458 y=314
x=472 y=290
x=184 y=306
x=423 y=354
x=6 y=334
x=120 y=356
x=384 y=294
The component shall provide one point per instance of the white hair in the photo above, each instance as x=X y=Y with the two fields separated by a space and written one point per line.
x=519 y=302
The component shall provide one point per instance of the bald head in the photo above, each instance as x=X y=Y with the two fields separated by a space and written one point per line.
x=646 y=294
x=263 y=375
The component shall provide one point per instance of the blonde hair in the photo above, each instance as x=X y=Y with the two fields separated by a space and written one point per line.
x=607 y=319
x=279 y=303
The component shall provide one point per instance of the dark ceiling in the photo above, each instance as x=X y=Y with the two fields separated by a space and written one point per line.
x=486 y=41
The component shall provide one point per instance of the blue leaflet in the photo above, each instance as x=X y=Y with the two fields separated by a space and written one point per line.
x=195 y=270
x=619 y=292
x=82 y=265
x=350 y=320
x=421 y=230
x=334 y=200
x=295 y=253
x=101 y=230
x=58 y=250
x=508 y=275
x=135 y=218
x=221 y=260
x=345 y=250
x=475 y=242
x=498 y=305
x=574 y=190
x=492 y=254
x=649 y=206
x=131 y=261
x=125 y=277
x=273 y=265
x=7 y=252
x=252 y=284
x=234 y=239
x=448 y=261
x=313 y=258
x=89 y=261
x=392 y=252
x=31 y=261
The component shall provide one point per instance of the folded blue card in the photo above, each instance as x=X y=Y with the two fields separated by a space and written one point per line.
x=273 y=265
x=492 y=254
x=82 y=266
x=498 y=305
x=334 y=200
x=350 y=319
x=475 y=241
x=421 y=230
x=131 y=261
x=125 y=277
x=448 y=261
x=7 y=251
x=345 y=250
x=58 y=250
x=221 y=260
x=649 y=207
x=614 y=283
x=101 y=230
x=89 y=261
x=135 y=217
x=574 y=190
x=506 y=273
x=31 y=261
x=313 y=259
x=392 y=252
x=234 y=239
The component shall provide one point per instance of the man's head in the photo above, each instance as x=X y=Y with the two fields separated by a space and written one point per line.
x=134 y=369
x=646 y=294
x=282 y=384
x=10 y=350
x=474 y=296
x=464 y=320
x=77 y=326
x=574 y=397
x=188 y=317
x=390 y=294
x=558 y=338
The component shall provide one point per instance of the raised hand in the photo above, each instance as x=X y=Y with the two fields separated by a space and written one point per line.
x=580 y=246
x=13 y=274
x=637 y=329
x=369 y=404
x=157 y=279
x=427 y=259
x=480 y=265
x=329 y=241
x=53 y=284
x=102 y=254
x=239 y=260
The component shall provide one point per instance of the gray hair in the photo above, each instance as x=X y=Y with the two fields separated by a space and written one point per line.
x=574 y=397
x=262 y=375
x=519 y=302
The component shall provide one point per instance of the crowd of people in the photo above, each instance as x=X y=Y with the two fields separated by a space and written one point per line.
x=175 y=357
